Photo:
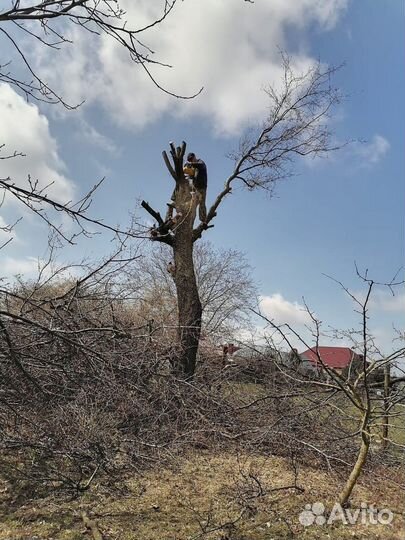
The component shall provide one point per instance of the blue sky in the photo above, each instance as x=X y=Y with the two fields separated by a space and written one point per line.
x=335 y=212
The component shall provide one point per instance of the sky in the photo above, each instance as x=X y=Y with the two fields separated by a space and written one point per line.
x=333 y=213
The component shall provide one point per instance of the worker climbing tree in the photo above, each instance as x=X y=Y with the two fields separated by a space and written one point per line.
x=296 y=126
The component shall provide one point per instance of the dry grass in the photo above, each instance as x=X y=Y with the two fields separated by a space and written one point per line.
x=206 y=492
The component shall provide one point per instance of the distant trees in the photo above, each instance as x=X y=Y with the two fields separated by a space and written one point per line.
x=225 y=285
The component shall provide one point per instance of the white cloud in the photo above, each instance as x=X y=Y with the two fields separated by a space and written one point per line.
x=34 y=267
x=12 y=266
x=24 y=129
x=89 y=134
x=3 y=225
x=389 y=303
x=385 y=338
x=394 y=303
x=230 y=48
x=382 y=300
x=373 y=151
x=281 y=311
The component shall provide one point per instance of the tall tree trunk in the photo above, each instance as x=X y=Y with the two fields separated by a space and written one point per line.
x=360 y=461
x=188 y=299
x=386 y=404
x=177 y=232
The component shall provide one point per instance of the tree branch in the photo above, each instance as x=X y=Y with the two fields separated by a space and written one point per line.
x=156 y=215
x=169 y=165
x=162 y=232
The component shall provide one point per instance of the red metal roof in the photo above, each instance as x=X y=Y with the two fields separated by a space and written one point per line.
x=334 y=357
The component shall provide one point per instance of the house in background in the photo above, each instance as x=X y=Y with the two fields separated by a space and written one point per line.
x=343 y=360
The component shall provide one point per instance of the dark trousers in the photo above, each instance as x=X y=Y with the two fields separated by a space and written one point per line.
x=202 y=209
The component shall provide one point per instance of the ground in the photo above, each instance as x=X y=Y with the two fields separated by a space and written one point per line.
x=227 y=497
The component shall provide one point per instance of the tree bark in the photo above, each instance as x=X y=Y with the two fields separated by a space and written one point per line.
x=386 y=405
x=177 y=232
x=360 y=461
x=188 y=299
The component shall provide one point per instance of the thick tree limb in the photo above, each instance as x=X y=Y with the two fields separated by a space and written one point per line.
x=152 y=212
x=162 y=232
x=169 y=165
x=198 y=231
x=173 y=150
x=183 y=149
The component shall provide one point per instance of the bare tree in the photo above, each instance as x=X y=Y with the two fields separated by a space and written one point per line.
x=35 y=198
x=40 y=22
x=369 y=413
x=225 y=285
x=296 y=126
x=47 y=23
x=86 y=393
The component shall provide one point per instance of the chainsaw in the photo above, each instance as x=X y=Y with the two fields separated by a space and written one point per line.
x=189 y=170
